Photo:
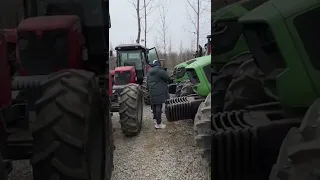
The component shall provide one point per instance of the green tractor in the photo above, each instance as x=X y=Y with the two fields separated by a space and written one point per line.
x=236 y=77
x=185 y=107
x=181 y=84
x=232 y=65
x=247 y=143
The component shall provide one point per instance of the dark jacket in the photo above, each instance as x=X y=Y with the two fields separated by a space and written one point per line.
x=157 y=84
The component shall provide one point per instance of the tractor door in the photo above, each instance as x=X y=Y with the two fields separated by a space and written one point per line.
x=144 y=61
x=152 y=55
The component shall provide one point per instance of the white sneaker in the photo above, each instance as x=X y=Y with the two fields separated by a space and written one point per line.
x=154 y=121
x=160 y=126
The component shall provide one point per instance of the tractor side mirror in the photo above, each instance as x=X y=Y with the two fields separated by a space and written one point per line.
x=111 y=53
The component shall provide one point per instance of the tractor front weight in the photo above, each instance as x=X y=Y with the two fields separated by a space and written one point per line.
x=182 y=108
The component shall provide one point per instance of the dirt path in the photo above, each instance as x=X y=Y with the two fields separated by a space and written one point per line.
x=167 y=154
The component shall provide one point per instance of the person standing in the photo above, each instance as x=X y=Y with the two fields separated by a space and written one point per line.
x=157 y=84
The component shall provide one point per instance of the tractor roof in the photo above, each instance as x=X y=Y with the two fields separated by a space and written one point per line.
x=200 y=62
x=43 y=23
x=186 y=63
x=129 y=47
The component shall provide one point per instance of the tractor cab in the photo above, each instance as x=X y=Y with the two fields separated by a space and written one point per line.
x=133 y=63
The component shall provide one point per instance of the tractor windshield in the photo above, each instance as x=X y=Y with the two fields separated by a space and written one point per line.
x=68 y=7
x=130 y=58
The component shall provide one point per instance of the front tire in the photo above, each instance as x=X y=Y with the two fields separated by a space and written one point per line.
x=246 y=88
x=222 y=81
x=202 y=128
x=299 y=152
x=72 y=138
x=131 y=110
x=146 y=94
x=186 y=89
x=178 y=89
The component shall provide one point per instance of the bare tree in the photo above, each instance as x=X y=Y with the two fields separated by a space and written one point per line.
x=170 y=45
x=136 y=6
x=149 y=6
x=181 y=47
x=164 y=25
x=198 y=8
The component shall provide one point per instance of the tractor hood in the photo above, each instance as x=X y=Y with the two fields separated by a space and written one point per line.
x=201 y=62
x=184 y=64
x=124 y=68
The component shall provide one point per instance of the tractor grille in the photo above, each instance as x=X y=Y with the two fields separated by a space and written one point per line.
x=43 y=53
x=123 y=78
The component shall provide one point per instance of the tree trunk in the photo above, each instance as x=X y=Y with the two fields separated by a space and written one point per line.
x=145 y=23
x=139 y=22
x=198 y=28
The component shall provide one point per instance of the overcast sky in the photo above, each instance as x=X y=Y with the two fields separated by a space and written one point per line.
x=124 y=23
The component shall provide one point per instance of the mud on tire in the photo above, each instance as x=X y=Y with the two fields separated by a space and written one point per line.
x=146 y=94
x=131 y=110
x=202 y=128
x=223 y=79
x=246 y=88
x=72 y=138
x=186 y=88
x=178 y=89
x=299 y=154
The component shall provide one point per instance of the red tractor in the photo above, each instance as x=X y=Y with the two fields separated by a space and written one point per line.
x=132 y=67
x=54 y=110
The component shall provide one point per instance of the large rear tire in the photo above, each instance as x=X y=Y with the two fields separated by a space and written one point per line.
x=131 y=110
x=223 y=79
x=202 y=128
x=186 y=89
x=146 y=94
x=299 y=154
x=246 y=88
x=72 y=137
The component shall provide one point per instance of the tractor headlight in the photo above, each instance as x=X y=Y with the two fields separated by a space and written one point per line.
x=180 y=72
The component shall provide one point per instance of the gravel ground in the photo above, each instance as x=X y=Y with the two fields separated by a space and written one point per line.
x=167 y=154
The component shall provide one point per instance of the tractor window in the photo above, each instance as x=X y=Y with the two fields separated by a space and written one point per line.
x=225 y=35
x=207 y=72
x=308 y=27
x=130 y=58
x=263 y=47
x=152 y=55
